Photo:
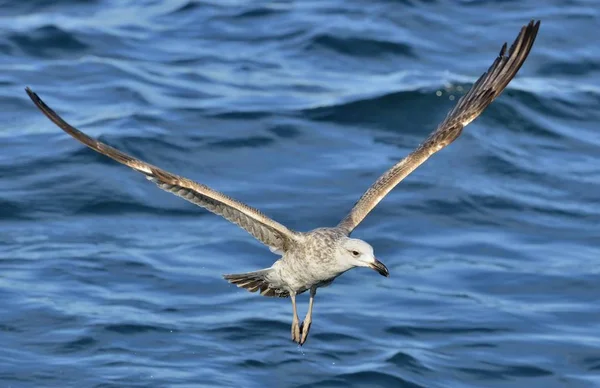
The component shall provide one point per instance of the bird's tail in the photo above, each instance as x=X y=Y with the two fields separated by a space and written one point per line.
x=255 y=281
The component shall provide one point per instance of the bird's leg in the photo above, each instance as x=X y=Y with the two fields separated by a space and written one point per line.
x=295 y=322
x=307 y=321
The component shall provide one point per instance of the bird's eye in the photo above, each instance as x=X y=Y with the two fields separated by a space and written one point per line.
x=356 y=253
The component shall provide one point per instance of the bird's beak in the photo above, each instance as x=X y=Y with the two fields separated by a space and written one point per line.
x=380 y=267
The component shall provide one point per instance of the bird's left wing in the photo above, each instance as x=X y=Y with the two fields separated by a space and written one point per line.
x=468 y=108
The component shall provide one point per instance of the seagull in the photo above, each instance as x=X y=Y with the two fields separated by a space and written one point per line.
x=314 y=259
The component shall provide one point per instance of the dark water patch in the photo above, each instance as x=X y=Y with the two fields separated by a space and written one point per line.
x=136 y=267
x=579 y=68
x=406 y=361
x=500 y=372
x=11 y=210
x=9 y=328
x=253 y=364
x=253 y=142
x=359 y=47
x=6 y=48
x=482 y=374
x=593 y=363
x=259 y=13
x=123 y=382
x=39 y=6
x=329 y=383
x=240 y=115
x=285 y=131
x=366 y=379
x=249 y=328
x=480 y=345
x=189 y=6
x=415 y=331
x=78 y=345
x=379 y=111
x=47 y=42
x=135 y=328
x=525 y=371
x=332 y=337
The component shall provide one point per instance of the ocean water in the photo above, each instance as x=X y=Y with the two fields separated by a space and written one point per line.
x=296 y=107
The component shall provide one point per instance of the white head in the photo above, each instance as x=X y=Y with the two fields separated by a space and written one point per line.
x=357 y=253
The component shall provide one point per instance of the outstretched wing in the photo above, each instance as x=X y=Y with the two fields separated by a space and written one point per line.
x=469 y=107
x=263 y=228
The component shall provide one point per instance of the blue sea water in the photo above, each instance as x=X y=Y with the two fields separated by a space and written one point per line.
x=296 y=107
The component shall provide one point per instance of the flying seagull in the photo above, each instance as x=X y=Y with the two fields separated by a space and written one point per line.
x=314 y=259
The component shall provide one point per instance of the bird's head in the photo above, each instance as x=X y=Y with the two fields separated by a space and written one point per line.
x=358 y=253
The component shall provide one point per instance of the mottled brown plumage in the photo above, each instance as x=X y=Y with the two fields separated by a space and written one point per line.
x=314 y=259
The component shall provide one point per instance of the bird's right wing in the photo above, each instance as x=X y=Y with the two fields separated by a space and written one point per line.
x=276 y=236
x=468 y=108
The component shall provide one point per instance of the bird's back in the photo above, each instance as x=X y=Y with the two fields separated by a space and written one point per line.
x=312 y=262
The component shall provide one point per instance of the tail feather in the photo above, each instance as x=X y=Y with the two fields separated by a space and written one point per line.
x=255 y=281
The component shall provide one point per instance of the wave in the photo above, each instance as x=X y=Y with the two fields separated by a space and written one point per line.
x=46 y=41
x=364 y=379
x=358 y=46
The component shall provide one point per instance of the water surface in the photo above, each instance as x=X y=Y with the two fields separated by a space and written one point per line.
x=296 y=107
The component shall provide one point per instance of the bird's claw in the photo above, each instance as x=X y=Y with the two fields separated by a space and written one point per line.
x=304 y=329
x=296 y=332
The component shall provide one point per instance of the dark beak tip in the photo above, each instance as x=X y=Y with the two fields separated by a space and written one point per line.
x=381 y=268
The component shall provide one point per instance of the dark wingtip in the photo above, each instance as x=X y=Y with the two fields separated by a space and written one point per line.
x=536 y=26
x=31 y=94
x=532 y=28
x=41 y=104
x=503 y=49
